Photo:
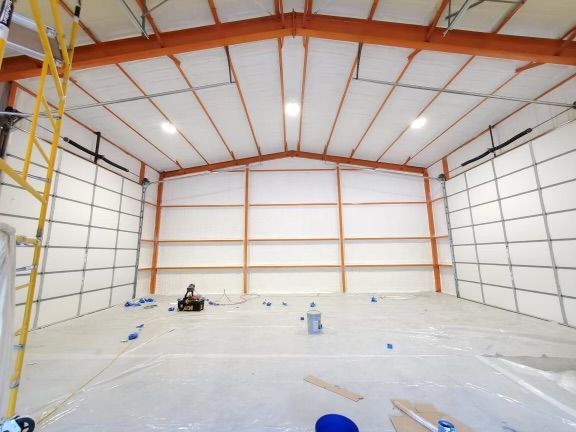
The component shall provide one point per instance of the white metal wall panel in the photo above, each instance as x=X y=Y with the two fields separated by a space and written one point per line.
x=200 y=254
x=293 y=253
x=293 y=222
x=525 y=239
x=73 y=246
x=391 y=280
x=293 y=231
x=294 y=281
x=401 y=220
x=201 y=223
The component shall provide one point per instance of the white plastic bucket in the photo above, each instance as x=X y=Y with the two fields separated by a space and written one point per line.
x=314 y=322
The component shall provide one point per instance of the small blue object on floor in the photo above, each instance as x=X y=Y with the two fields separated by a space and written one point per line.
x=374 y=299
x=389 y=346
x=445 y=426
x=133 y=335
x=301 y=318
x=284 y=304
x=131 y=304
x=140 y=326
x=269 y=304
x=335 y=423
x=312 y=304
x=171 y=309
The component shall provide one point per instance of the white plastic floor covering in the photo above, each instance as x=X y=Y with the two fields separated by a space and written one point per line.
x=241 y=368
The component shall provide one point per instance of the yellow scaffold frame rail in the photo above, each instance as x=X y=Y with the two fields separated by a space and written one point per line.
x=60 y=77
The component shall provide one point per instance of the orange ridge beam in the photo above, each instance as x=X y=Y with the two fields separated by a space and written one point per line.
x=529 y=49
x=566 y=39
x=296 y=154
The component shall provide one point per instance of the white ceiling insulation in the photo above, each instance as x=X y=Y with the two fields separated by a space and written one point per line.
x=214 y=122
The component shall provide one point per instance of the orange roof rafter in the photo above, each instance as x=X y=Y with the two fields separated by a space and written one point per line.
x=78 y=122
x=298 y=154
x=506 y=117
x=349 y=80
x=124 y=122
x=176 y=62
x=218 y=23
x=530 y=49
x=499 y=27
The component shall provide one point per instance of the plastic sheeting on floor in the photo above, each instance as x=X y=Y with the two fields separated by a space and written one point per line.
x=242 y=367
x=7 y=295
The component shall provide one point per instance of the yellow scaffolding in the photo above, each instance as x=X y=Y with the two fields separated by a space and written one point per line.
x=60 y=76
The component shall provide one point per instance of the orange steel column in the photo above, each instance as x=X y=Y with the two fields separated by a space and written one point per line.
x=341 y=231
x=432 y=229
x=154 y=271
x=142 y=173
x=445 y=169
x=245 y=242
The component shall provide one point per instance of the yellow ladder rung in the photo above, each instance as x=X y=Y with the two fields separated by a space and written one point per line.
x=19 y=287
x=41 y=150
x=20 y=180
x=20 y=239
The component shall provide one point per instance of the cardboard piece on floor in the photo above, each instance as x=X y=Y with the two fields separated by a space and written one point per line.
x=427 y=411
x=333 y=388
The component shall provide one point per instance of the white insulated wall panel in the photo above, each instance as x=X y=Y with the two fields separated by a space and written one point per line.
x=527 y=224
x=294 y=281
x=269 y=187
x=363 y=186
x=199 y=254
x=388 y=251
x=174 y=282
x=202 y=223
x=293 y=253
x=292 y=222
x=214 y=188
x=292 y=206
x=385 y=220
x=392 y=280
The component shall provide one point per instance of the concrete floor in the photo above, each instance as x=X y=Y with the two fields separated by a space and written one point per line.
x=241 y=368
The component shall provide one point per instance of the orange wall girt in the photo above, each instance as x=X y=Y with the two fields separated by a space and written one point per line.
x=295 y=153
x=530 y=49
x=157 y=220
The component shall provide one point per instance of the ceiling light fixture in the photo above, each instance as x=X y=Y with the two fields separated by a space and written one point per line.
x=418 y=123
x=292 y=109
x=169 y=128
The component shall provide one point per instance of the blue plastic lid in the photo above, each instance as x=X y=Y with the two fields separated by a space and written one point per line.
x=335 y=423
